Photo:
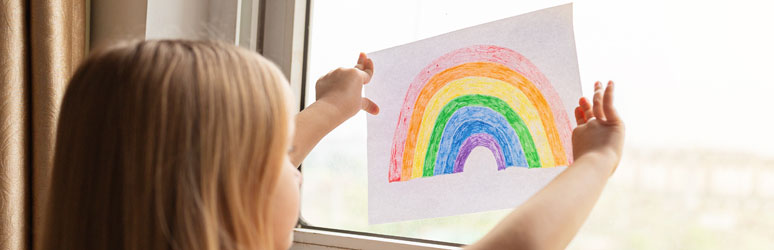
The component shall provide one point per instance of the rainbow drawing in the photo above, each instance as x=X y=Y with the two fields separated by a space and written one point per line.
x=479 y=96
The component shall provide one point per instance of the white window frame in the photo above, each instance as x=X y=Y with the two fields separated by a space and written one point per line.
x=284 y=40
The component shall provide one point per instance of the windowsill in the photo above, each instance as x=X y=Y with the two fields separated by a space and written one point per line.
x=319 y=239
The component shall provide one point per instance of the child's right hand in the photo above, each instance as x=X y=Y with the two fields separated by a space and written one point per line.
x=600 y=131
x=339 y=97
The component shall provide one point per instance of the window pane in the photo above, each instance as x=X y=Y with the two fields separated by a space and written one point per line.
x=693 y=87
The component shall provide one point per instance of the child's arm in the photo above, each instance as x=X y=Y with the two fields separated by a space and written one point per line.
x=338 y=98
x=551 y=218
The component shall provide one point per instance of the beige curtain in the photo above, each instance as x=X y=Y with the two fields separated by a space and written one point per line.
x=41 y=44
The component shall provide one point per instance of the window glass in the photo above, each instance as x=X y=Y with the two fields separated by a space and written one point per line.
x=693 y=87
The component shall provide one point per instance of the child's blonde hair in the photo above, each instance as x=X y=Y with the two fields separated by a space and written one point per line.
x=168 y=145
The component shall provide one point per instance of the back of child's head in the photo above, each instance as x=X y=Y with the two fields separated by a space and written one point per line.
x=168 y=145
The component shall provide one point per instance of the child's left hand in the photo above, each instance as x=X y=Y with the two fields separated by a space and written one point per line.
x=342 y=89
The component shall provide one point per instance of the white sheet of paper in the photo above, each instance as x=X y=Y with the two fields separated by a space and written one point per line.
x=540 y=48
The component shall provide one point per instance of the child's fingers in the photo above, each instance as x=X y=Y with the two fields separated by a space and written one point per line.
x=598 y=108
x=360 y=60
x=369 y=68
x=365 y=65
x=585 y=106
x=611 y=114
x=370 y=65
x=579 y=119
x=369 y=106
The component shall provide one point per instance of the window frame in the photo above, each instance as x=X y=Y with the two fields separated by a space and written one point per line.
x=284 y=38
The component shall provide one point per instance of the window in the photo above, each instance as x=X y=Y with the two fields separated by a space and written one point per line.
x=693 y=87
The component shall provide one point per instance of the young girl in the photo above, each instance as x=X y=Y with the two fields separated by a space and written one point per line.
x=194 y=145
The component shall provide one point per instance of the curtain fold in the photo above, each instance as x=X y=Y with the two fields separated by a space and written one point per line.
x=14 y=124
x=42 y=44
